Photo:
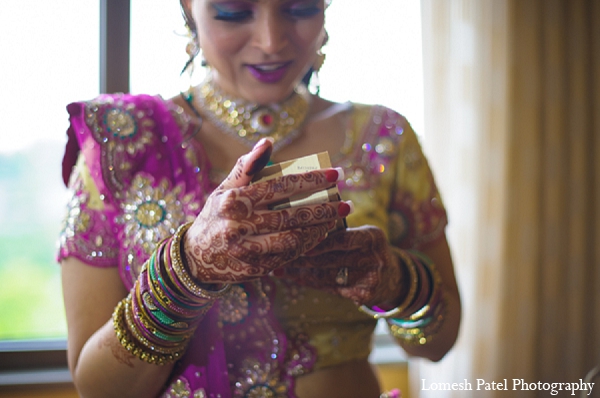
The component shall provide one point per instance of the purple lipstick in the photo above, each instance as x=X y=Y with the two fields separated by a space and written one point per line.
x=269 y=73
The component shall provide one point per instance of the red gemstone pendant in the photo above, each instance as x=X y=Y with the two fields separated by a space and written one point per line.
x=267 y=119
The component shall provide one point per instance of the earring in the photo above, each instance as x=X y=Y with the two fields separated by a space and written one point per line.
x=319 y=61
x=315 y=83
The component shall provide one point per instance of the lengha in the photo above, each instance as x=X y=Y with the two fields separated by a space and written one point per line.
x=135 y=177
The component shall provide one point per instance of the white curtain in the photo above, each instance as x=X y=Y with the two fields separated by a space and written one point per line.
x=512 y=131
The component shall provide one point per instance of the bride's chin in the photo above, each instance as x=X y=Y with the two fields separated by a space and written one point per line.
x=264 y=96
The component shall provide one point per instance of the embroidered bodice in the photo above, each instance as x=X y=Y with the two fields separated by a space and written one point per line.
x=135 y=177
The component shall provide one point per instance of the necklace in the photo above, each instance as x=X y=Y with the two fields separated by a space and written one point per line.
x=249 y=122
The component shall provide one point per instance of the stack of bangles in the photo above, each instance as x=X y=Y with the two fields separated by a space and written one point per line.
x=421 y=314
x=159 y=316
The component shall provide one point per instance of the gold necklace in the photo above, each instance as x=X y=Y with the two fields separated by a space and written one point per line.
x=249 y=122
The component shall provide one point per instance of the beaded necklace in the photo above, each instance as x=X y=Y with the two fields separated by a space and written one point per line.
x=249 y=122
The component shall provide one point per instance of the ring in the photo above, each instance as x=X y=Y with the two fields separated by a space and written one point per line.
x=342 y=276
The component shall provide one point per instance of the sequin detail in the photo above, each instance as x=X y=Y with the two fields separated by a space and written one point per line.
x=180 y=388
x=380 y=140
x=233 y=307
x=385 y=157
x=125 y=130
x=262 y=380
x=83 y=232
x=152 y=212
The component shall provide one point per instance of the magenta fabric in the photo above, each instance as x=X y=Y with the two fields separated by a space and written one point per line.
x=137 y=150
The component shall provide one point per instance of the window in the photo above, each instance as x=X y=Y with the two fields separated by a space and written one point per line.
x=46 y=64
x=51 y=56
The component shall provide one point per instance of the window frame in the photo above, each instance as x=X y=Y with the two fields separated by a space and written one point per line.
x=43 y=362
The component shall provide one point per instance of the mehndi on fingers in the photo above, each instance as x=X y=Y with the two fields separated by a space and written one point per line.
x=421 y=314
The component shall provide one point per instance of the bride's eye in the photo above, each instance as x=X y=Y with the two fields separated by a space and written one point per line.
x=232 y=11
x=303 y=9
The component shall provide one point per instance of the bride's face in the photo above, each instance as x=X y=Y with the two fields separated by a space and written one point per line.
x=259 y=50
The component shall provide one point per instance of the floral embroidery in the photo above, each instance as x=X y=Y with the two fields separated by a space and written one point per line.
x=180 y=388
x=416 y=212
x=120 y=123
x=262 y=380
x=151 y=213
x=124 y=129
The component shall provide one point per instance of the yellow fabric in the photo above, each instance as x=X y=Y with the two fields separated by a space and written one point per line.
x=93 y=202
x=335 y=326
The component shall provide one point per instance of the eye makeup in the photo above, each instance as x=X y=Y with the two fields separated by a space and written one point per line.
x=239 y=11
x=303 y=9
x=232 y=11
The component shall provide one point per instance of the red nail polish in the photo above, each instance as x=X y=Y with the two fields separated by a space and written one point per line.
x=335 y=174
x=344 y=209
x=331 y=175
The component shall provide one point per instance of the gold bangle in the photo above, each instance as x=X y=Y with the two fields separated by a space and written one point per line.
x=434 y=297
x=179 y=336
x=419 y=336
x=181 y=272
x=129 y=344
x=414 y=284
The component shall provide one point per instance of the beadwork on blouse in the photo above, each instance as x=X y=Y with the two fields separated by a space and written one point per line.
x=138 y=178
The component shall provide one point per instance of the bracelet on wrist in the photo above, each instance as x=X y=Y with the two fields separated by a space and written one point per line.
x=415 y=281
x=156 y=321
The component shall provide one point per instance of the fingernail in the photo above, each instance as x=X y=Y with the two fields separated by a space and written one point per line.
x=260 y=162
x=345 y=208
x=262 y=142
x=334 y=175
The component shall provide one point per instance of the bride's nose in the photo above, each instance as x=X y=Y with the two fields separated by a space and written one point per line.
x=271 y=33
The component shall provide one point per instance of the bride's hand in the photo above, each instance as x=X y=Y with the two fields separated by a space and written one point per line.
x=356 y=263
x=236 y=238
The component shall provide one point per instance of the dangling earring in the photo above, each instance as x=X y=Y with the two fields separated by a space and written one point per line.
x=317 y=65
x=319 y=61
x=193 y=50
x=315 y=83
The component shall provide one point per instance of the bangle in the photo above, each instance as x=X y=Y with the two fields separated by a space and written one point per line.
x=166 y=293
x=181 y=275
x=145 y=331
x=419 y=332
x=155 y=289
x=378 y=313
x=420 y=327
x=154 y=324
x=129 y=343
x=434 y=297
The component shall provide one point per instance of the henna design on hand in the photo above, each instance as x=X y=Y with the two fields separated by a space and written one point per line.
x=118 y=351
x=236 y=238
x=374 y=275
